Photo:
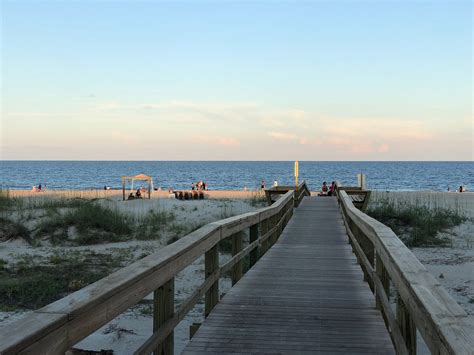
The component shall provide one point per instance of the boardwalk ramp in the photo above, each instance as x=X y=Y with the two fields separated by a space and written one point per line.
x=306 y=294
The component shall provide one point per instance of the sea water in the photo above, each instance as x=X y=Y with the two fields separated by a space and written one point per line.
x=237 y=175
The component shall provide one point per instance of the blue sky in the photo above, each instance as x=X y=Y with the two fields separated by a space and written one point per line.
x=344 y=80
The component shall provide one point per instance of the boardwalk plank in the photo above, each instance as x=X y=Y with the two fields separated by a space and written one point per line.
x=305 y=295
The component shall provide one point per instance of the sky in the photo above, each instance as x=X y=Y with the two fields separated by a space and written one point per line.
x=269 y=80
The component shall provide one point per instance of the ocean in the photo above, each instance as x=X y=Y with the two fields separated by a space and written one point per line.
x=237 y=175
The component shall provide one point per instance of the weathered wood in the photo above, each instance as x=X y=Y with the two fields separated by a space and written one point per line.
x=381 y=290
x=264 y=227
x=253 y=236
x=163 y=310
x=236 y=248
x=211 y=264
x=239 y=256
x=366 y=201
x=305 y=294
x=407 y=327
x=167 y=328
x=86 y=310
x=368 y=249
x=442 y=323
x=384 y=278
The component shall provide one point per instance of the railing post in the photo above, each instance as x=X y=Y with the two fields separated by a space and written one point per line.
x=263 y=230
x=163 y=310
x=289 y=206
x=407 y=326
x=236 y=247
x=211 y=264
x=368 y=249
x=253 y=237
x=383 y=276
x=273 y=223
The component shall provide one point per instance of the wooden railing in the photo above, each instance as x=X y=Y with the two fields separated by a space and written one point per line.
x=274 y=193
x=421 y=302
x=56 y=327
x=301 y=191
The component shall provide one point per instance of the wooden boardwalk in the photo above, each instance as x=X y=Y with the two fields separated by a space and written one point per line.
x=305 y=295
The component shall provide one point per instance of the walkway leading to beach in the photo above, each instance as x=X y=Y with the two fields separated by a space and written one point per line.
x=306 y=294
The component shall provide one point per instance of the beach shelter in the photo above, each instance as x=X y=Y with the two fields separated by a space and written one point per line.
x=139 y=177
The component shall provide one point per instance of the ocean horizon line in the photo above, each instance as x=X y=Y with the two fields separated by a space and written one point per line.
x=235 y=160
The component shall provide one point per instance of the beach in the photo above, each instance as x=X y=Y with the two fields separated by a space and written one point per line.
x=453 y=265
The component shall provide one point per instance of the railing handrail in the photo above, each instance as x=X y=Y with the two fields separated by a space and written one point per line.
x=439 y=318
x=61 y=324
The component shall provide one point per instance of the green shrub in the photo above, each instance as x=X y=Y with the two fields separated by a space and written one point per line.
x=10 y=229
x=30 y=282
x=153 y=224
x=258 y=199
x=94 y=223
x=422 y=223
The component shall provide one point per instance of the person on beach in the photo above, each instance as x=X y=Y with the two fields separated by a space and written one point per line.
x=262 y=185
x=204 y=186
x=131 y=197
x=34 y=189
x=275 y=183
x=192 y=186
x=138 y=194
x=324 y=189
x=332 y=189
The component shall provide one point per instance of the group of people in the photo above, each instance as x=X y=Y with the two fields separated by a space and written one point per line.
x=138 y=194
x=328 y=191
x=461 y=189
x=263 y=185
x=38 y=188
x=200 y=186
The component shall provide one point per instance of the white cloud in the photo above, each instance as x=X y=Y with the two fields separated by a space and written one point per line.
x=283 y=136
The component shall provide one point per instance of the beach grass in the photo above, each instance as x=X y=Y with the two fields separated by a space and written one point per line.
x=258 y=199
x=32 y=281
x=93 y=222
x=416 y=224
x=11 y=230
x=153 y=223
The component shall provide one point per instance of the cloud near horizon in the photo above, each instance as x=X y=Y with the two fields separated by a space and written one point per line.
x=183 y=129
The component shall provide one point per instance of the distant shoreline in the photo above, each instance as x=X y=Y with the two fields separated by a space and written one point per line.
x=97 y=192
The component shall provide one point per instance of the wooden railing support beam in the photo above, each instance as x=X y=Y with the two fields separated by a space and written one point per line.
x=211 y=264
x=384 y=278
x=236 y=247
x=407 y=326
x=252 y=238
x=264 y=228
x=163 y=310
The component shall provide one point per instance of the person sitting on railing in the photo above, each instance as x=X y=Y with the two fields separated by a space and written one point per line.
x=324 y=189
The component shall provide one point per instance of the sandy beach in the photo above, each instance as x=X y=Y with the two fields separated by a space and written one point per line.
x=118 y=195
